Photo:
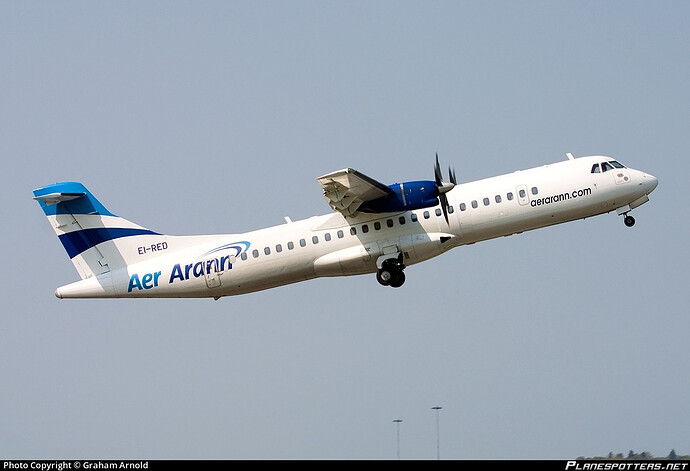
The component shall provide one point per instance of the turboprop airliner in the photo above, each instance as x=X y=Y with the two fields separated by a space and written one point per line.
x=374 y=228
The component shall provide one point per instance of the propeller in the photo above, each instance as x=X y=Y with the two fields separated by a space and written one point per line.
x=444 y=187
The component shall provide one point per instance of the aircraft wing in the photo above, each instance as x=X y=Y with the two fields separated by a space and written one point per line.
x=345 y=190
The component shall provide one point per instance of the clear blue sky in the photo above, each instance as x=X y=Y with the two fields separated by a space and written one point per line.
x=217 y=117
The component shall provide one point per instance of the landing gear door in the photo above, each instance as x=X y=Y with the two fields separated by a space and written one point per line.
x=522 y=195
x=407 y=249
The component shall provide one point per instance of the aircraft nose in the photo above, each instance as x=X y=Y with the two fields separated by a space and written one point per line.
x=650 y=182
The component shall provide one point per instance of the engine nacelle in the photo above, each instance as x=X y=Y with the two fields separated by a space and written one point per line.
x=404 y=197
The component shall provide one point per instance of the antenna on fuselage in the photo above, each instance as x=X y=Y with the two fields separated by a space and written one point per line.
x=570 y=156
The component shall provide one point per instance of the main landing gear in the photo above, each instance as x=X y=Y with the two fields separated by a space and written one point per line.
x=391 y=273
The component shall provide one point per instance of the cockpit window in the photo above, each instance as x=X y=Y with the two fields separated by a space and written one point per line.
x=606 y=166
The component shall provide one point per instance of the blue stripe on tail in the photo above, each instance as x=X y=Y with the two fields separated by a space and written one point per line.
x=79 y=241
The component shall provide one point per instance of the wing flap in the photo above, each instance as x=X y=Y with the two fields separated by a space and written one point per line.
x=345 y=190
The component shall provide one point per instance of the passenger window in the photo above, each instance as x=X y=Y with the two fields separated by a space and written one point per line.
x=596 y=169
x=401 y=220
x=327 y=236
x=255 y=253
x=474 y=204
x=450 y=210
x=413 y=217
x=510 y=196
x=498 y=198
x=486 y=201
x=426 y=214
x=279 y=248
x=438 y=212
x=315 y=240
x=463 y=206
x=365 y=228
x=302 y=243
x=605 y=167
x=534 y=190
x=267 y=250
x=243 y=256
x=377 y=226
x=340 y=234
x=353 y=231
x=389 y=222
x=291 y=246
x=523 y=193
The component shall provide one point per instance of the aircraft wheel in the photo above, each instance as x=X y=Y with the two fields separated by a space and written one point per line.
x=384 y=276
x=629 y=221
x=398 y=279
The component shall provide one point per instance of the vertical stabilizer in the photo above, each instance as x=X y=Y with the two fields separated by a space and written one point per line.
x=93 y=237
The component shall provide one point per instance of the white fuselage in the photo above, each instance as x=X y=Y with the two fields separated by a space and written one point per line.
x=333 y=245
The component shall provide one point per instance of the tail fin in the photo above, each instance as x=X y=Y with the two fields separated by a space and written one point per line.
x=93 y=237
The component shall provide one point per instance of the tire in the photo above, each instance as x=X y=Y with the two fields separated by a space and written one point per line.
x=384 y=276
x=398 y=279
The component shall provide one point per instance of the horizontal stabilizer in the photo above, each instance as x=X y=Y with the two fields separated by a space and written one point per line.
x=55 y=198
x=68 y=198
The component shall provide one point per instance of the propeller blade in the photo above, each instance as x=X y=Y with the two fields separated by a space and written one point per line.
x=437 y=172
x=444 y=205
x=443 y=187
